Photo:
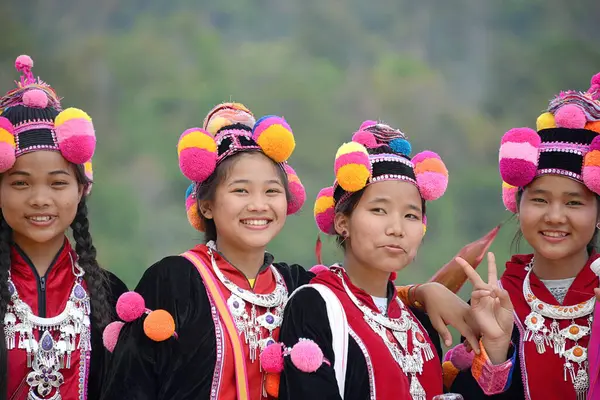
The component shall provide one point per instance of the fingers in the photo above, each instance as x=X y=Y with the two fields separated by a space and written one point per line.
x=503 y=299
x=470 y=337
x=441 y=328
x=472 y=275
x=492 y=270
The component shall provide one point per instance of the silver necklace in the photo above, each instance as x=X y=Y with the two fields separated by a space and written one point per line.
x=576 y=364
x=250 y=325
x=58 y=337
x=410 y=363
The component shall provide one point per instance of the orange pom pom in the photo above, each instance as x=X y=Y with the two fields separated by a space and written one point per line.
x=593 y=126
x=159 y=325
x=272 y=384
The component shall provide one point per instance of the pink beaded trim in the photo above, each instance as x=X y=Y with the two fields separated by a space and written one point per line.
x=29 y=125
x=218 y=372
x=558 y=171
x=370 y=371
x=390 y=157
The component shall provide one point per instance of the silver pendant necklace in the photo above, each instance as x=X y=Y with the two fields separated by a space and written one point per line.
x=58 y=336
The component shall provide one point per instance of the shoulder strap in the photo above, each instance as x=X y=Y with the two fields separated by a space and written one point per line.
x=338 y=323
x=214 y=291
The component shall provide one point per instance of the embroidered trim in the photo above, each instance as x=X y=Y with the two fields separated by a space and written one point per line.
x=370 y=371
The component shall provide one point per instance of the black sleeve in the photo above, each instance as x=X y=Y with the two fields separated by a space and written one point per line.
x=142 y=369
x=466 y=384
x=100 y=358
x=294 y=275
x=305 y=317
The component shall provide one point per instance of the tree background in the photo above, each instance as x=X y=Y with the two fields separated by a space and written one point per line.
x=453 y=75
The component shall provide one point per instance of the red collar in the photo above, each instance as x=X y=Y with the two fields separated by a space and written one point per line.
x=22 y=267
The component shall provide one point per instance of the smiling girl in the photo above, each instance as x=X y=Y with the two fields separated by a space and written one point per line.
x=226 y=295
x=54 y=300
x=537 y=320
x=346 y=335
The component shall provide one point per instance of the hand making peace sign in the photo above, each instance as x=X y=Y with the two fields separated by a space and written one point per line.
x=490 y=305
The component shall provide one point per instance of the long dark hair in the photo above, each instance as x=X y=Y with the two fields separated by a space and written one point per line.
x=208 y=189
x=95 y=277
x=516 y=241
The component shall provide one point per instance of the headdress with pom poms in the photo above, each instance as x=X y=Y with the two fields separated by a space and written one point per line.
x=355 y=168
x=230 y=128
x=32 y=119
x=567 y=143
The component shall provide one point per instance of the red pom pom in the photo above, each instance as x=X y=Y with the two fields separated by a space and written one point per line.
x=271 y=358
x=110 y=336
x=130 y=306
x=393 y=276
x=306 y=355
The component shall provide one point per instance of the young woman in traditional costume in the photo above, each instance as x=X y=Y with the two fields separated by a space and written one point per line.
x=54 y=300
x=346 y=335
x=536 y=321
x=227 y=295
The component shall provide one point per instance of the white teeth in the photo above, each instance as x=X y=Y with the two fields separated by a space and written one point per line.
x=554 y=234
x=255 y=222
x=40 y=218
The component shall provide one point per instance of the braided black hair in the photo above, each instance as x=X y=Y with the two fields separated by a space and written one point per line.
x=5 y=239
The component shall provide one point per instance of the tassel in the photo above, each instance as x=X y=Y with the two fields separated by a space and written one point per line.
x=318 y=247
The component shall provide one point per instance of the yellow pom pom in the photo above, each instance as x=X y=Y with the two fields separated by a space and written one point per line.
x=351 y=147
x=159 y=325
x=323 y=203
x=70 y=113
x=6 y=137
x=545 y=121
x=197 y=139
x=277 y=142
x=353 y=177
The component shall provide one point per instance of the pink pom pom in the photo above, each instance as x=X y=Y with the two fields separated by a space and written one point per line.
x=432 y=185
x=7 y=125
x=595 y=79
x=23 y=62
x=318 y=269
x=297 y=191
x=519 y=154
x=76 y=140
x=197 y=154
x=324 y=211
x=570 y=116
x=365 y=138
x=271 y=358
x=368 y=123
x=509 y=197
x=7 y=157
x=306 y=355
x=110 y=336
x=35 y=98
x=591 y=166
x=130 y=306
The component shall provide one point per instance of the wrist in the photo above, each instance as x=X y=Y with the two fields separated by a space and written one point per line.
x=416 y=297
x=496 y=349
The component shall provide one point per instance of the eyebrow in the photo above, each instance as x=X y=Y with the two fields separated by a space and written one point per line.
x=247 y=182
x=57 y=172
x=387 y=200
x=547 y=192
